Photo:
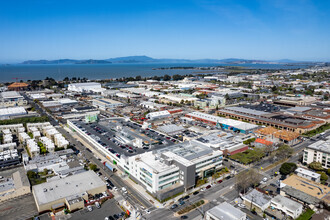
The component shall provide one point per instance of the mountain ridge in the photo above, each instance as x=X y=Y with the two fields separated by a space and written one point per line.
x=146 y=59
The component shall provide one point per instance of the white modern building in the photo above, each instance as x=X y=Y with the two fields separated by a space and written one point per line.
x=307 y=174
x=84 y=87
x=286 y=205
x=318 y=152
x=175 y=166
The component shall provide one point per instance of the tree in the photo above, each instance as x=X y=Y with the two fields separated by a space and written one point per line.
x=284 y=151
x=167 y=78
x=317 y=166
x=288 y=168
x=328 y=172
x=246 y=179
x=31 y=174
x=92 y=167
x=324 y=177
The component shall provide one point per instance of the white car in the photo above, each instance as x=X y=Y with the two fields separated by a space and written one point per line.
x=89 y=208
x=106 y=178
x=241 y=205
x=124 y=190
x=147 y=211
x=97 y=204
x=264 y=179
x=115 y=188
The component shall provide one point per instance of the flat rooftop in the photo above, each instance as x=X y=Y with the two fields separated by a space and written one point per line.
x=188 y=150
x=66 y=187
x=154 y=162
x=307 y=172
x=307 y=186
x=323 y=146
x=226 y=211
x=107 y=101
x=230 y=122
x=289 y=203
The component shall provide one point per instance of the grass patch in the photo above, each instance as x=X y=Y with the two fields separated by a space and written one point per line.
x=191 y=207
x=248 y=156
x=306 y=215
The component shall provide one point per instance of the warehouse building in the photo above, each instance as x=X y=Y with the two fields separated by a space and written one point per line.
x=6 y=113
x=268 y=118
x=84 y=87
x=11 y=99
x=69 y=192
x=106 y=103
x=225 y=123
x=158 y=115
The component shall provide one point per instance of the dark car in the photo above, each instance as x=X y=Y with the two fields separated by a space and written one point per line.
x=116 y=216
x=186 y=197
x=208 y=186
x=181 y=199
x=182 y=203
x=174 y=206
x=195 y=193
x=184 y=217
x=220 y=181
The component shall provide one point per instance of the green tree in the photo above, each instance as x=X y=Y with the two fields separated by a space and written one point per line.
x=288 y=168
x=324 y=176
x=317 y=166
x=284 y=151
x=167 y=78
x=92 y=167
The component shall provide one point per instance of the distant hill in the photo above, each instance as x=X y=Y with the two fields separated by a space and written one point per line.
x=146 y=59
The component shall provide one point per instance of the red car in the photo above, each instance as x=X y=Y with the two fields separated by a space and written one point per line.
x=220 y=181
x=208 y=186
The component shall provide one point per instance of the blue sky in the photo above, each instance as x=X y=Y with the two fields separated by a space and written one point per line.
x=251 y=29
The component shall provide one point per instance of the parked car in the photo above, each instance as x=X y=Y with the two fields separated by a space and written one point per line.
x=174 y=206
x=182 y=203
x=195 y=193
x=97 y=204
x=89 y=208
x=186 y=197
x=208 y=186
x=219 y=181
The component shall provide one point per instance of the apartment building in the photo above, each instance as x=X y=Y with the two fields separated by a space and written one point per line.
x=318 y=152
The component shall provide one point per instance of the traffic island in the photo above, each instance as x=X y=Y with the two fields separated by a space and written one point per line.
x=191 y=207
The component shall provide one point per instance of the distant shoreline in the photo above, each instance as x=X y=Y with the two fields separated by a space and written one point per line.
x=107 y=71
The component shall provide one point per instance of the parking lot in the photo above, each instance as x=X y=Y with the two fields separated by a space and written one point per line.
x=22 y=207
x=104 y=133
x=109 y=208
